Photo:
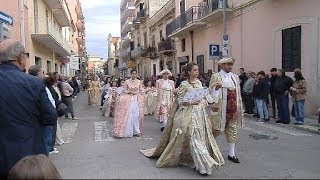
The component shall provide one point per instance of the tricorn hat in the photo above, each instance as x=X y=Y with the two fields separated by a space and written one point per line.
x=226 y=60
x=165 y=71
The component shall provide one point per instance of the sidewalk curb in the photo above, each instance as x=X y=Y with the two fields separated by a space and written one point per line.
x=306 y=128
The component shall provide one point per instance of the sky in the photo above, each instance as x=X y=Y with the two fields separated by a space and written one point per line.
x=101 y=18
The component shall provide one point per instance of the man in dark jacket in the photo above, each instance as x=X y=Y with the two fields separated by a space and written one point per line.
x=261 y=92
x=282 y=86
x=24 y=108
x=273 y=73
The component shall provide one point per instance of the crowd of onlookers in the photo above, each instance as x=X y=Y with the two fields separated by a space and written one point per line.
x=31 y=103
x=261 y=89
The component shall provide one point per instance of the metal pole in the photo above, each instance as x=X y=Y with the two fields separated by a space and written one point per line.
x=224 y=16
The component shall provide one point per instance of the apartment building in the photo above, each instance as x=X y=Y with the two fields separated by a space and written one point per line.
x=127 y=10
x=262 y=34
x=46 y=28
x=162 y=51
x=77 y=39
x=95 y=65
x=50 y=36
x=113 y=55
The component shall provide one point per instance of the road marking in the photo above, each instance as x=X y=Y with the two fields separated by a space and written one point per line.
x=68 y=131
x=280 y=129
x=102 y=132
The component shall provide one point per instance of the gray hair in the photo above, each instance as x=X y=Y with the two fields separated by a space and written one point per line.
x=11 y=52
x=34 y=70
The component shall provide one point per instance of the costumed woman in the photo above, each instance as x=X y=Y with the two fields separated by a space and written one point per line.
x=109 y=102
x=188 y=139
x=165 y=89
x=129 y=114
x=94 y=92
x=105 y=89
x=150 y=95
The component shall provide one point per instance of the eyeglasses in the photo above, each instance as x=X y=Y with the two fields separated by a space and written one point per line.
x=27 y=54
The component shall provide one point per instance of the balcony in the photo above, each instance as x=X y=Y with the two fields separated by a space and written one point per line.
x=168 y=8
x=60 y=11
x=127 y=25
x=79 y=11
x=126 y=40
x=140 y=18
x=151 y=52
x=189 y=20
x=80 y=26
x=138 y=52
x=128 y=11
x=166 y=46
x=125 y=53
x=80 y=40
x=44 y=32
x=212 y=9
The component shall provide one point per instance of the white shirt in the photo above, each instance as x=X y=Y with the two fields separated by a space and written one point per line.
x=227 y=81
x=51 y=98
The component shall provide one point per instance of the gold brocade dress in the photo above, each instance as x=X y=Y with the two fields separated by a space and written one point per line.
x=94 y=93
x=187 y=139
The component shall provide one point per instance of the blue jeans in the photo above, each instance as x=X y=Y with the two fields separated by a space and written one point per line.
x=283 y=104
x=299 y=110
x=47 y=136
x=262 y=108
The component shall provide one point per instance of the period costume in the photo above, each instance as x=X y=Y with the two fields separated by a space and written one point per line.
x=150 y=95
x=129 y=114
x=187 y=139
x=228 y=112
x=165 y=89
x=109 y=102
x=94 y=93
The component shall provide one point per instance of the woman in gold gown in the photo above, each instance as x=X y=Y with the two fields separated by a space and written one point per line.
x=187 y=139
x=94 y=92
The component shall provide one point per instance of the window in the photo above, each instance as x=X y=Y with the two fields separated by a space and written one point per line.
x=37 y=61
x=200 y=62
x=48 y=66
x=55 y=67
x=291 y=48
x=183 y=45
x=161 y=36
x=153 y=41
x=145 y=39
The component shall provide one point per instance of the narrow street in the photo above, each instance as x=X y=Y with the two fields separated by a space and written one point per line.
x=265 y=151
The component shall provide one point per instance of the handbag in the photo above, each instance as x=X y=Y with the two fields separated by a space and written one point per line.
x=62 y=109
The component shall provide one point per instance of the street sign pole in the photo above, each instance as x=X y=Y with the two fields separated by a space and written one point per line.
x=224 y=54
x=224 y=16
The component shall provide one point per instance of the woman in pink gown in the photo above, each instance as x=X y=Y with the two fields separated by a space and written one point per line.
x=129 y=114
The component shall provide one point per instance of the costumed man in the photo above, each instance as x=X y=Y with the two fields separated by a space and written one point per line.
x=227 y=111
x=165 y=89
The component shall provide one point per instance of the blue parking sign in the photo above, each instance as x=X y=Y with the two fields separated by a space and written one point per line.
x=214 y=50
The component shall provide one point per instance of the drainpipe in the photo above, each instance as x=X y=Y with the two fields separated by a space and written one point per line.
x=21 y=14
x=191 y=33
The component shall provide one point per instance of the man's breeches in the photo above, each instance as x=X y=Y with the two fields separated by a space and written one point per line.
x=230 y=130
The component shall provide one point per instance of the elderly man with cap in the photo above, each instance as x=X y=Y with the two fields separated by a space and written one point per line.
x=165 y=89
x=24 y=108
x=227 y=111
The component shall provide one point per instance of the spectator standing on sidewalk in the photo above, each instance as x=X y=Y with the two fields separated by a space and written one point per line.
x=66 y=91
x=273 y=78
x=75 y=86
x=37 y=71
x=25 y=108
x=261 y=92
x=247 y=92
x=243 y=78
x=298 y=92
x=282 y=88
